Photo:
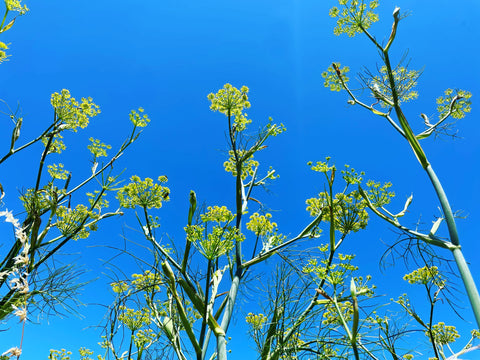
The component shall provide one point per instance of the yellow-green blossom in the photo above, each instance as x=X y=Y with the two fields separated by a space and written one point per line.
x=378 y=194
x=349 y=210
x=139 y=119
x=59 y=354
x=332 y=79
x=134 y=319
x=256 y=321
x=405 y=82
x=444 y=334
x=354 y=16
x=217 y=214
x=147 y=281
x=119 y=287
x=56 y=145
x=97 y=148
x=58 y=172
x=3 y=54
x=70 y=221
x=72 y=113
x=322 y=166
x=461 y=106
x=144 y=337
x=218 y=242
x=15 y=5
x=261 y=224
x=144 y=193
x=230 y=100
x=248 y=165
x=85 y=353
x=331 y=316
x=424 y=276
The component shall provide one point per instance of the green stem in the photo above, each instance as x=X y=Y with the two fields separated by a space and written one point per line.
x=447 y=211
x=430 y=322
x=457 y=253
x=307 y=232
x=4 y=18
x=469 y=283
x=42 y=162
x=227 y=315
x=205 y=313
x=132 y=336
x=462 y=265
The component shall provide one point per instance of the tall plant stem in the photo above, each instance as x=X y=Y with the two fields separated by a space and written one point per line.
x=227 y=315
x=462 y=265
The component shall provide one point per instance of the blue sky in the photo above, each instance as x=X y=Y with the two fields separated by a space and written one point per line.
x=166 y=56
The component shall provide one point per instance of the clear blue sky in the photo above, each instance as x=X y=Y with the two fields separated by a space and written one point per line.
x=166 y=56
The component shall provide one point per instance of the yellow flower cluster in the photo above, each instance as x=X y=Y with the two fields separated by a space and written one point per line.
x=261 y=224
x=146 y=281
x=72 y=113
x=217 y=214
x=461 y=106
x=349 y=210
x=405 y=82
x=144 y=193
x=444 y=334
x=139 y=119
x=15 y=5
x=97 y=148
x=248 y=165
x=425 y=275
x=331 y=79
x=218 y=242
x=229 y=100
x=353 y=16
x=256 y=321
x=331 y=316
x=3 y=54
x=57 y=172
x=134 y=319
x=321 y=166
x=70 y=221
x=119 y=287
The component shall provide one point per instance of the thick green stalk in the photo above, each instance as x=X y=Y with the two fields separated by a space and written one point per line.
x=462 y=265
x=227 y=315
x=449 y=218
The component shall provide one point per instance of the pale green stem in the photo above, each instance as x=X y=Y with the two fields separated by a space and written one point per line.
x=457 y=253
x=307 y=232
x=368 y=107
x=4 y=18
x=275 y=354
x=462 y=265
x=205 y=344
x=347 y=329
x=227 y=315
